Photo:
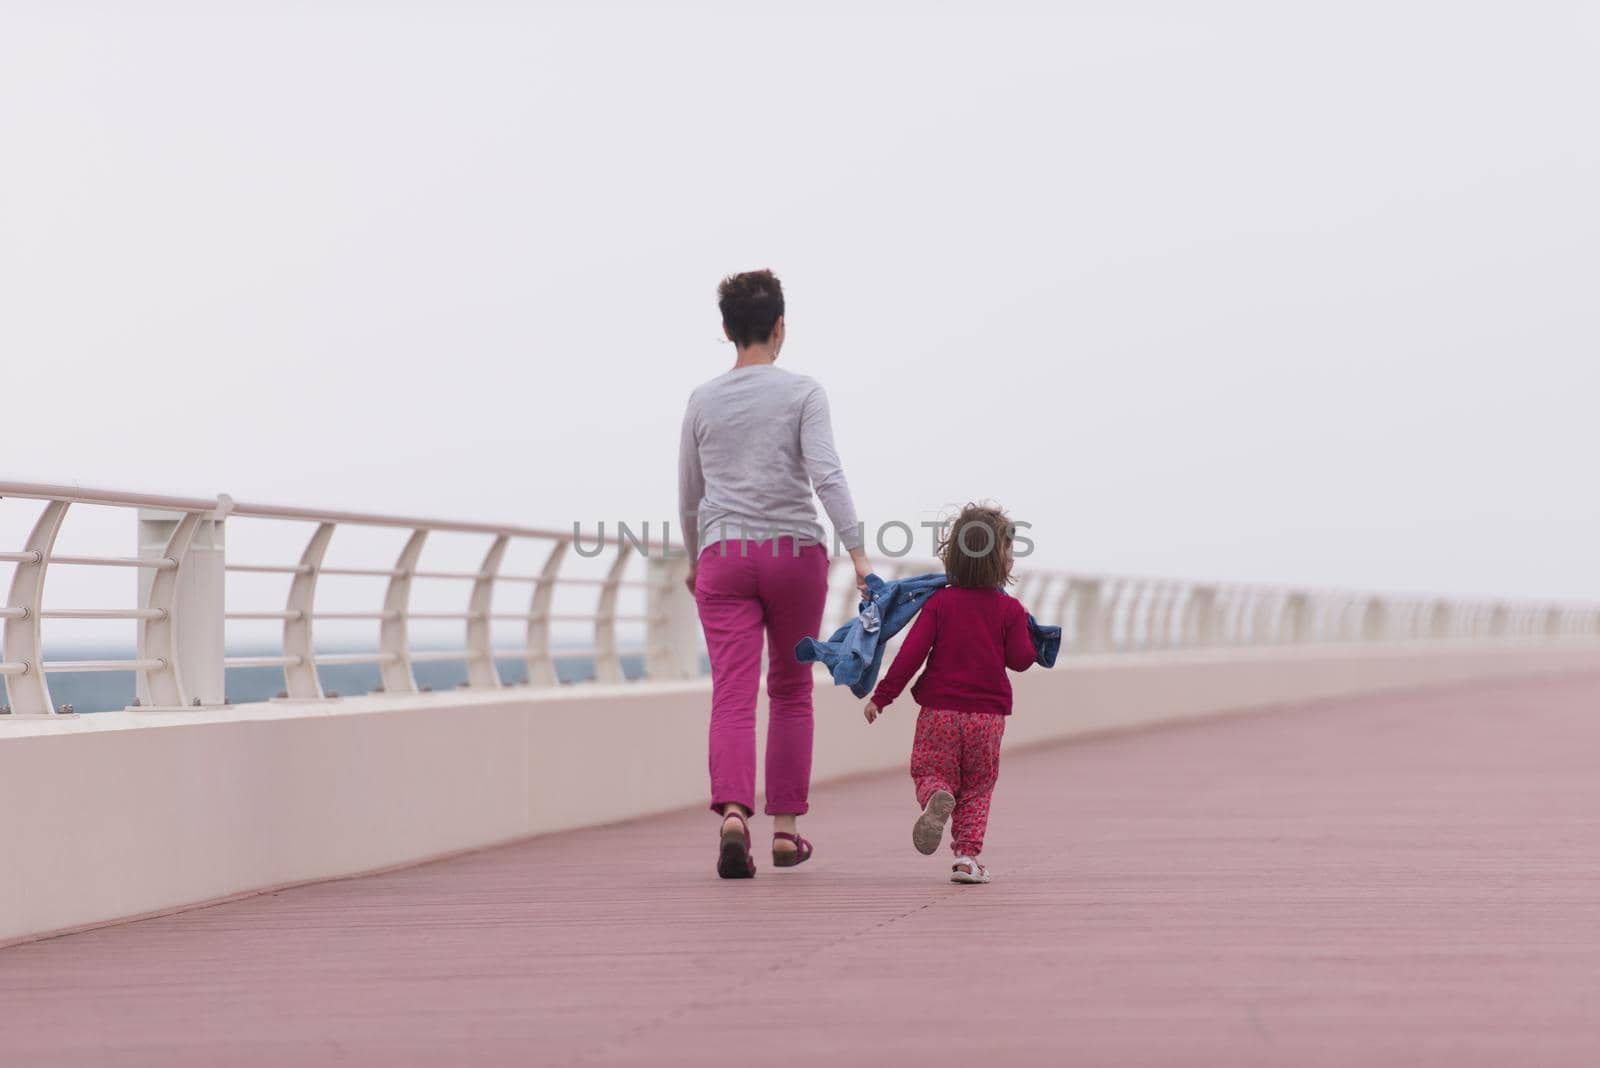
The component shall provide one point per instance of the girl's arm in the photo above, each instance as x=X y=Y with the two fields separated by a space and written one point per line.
x=1019 y=644
x=913 y=651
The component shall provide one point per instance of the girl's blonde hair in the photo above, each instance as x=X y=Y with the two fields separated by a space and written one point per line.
x=975 y=548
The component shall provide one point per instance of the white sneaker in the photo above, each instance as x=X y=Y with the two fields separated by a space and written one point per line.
x=967 y=870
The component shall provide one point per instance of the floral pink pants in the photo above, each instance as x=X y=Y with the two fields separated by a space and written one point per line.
x=959 y=752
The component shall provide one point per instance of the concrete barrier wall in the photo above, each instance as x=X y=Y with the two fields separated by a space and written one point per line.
x=123 y=814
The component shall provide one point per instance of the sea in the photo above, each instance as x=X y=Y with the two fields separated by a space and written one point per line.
x=103 y=691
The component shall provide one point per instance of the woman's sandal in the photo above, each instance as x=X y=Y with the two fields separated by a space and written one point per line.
x=788 y=858
x=733 y=857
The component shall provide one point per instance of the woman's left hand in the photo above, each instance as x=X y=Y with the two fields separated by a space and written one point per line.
x=863 y=566
x=689 y=582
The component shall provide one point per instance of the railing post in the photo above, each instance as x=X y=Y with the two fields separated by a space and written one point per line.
x=1374 y=621
x=1089 y=623
x=1025 y=583
x=1261 y=616
x=481 y=672
x=1440 y=620
x=1296 y=619
x=1554 y=620
x=1230 y=615
x=29 y=693
x=188 y=638
x=1201 y=615
x=300 y=673
x=672 y=629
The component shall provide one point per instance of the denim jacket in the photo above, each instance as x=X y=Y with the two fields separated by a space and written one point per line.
x=854 y=654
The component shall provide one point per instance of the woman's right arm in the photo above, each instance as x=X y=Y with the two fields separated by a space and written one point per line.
x=827 y=478
x=691 y=488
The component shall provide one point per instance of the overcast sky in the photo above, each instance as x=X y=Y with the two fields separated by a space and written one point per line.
x=1280 y=292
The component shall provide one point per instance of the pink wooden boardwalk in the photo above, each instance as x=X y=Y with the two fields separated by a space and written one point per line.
x=1407 y=880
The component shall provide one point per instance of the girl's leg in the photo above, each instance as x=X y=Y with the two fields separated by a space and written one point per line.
x=793 y=591
x=936 y=754
x=731 y=616
x=980 y=735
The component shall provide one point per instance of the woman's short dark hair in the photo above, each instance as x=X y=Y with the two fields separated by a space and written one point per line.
x=974 y=548
x=751 y=305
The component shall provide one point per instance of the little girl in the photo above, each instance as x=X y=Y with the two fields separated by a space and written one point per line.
x=969 y=633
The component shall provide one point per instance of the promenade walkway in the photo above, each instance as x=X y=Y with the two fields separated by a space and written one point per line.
x=1410 y=879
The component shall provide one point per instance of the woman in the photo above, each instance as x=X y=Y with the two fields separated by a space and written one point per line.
x=756 y=441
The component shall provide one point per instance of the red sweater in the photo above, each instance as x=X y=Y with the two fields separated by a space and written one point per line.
x=973 y=636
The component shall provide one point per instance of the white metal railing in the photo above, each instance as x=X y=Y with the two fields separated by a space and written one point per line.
x=1116 y=614
x=168 y=665
x=182 y=610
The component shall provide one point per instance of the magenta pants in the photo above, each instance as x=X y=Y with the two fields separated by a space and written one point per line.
x=746 y=591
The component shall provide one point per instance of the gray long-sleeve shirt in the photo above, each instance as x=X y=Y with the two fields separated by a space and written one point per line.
x=755 y=441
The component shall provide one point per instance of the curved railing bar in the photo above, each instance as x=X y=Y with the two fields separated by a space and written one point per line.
x=1135 y=616
x=393 y=631
x=1157 y=602
x=541 y=664
x=1188 y=615
x=117 y=498
x=1063 y=608
x=1181 y=617
x=300 y=673
x=481 y=671
x=1162 y=596
x=39 y=491
x=607 y=661
x=1166 y=635
x=369 y=519
x=28 y=692
x=1107 y=613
